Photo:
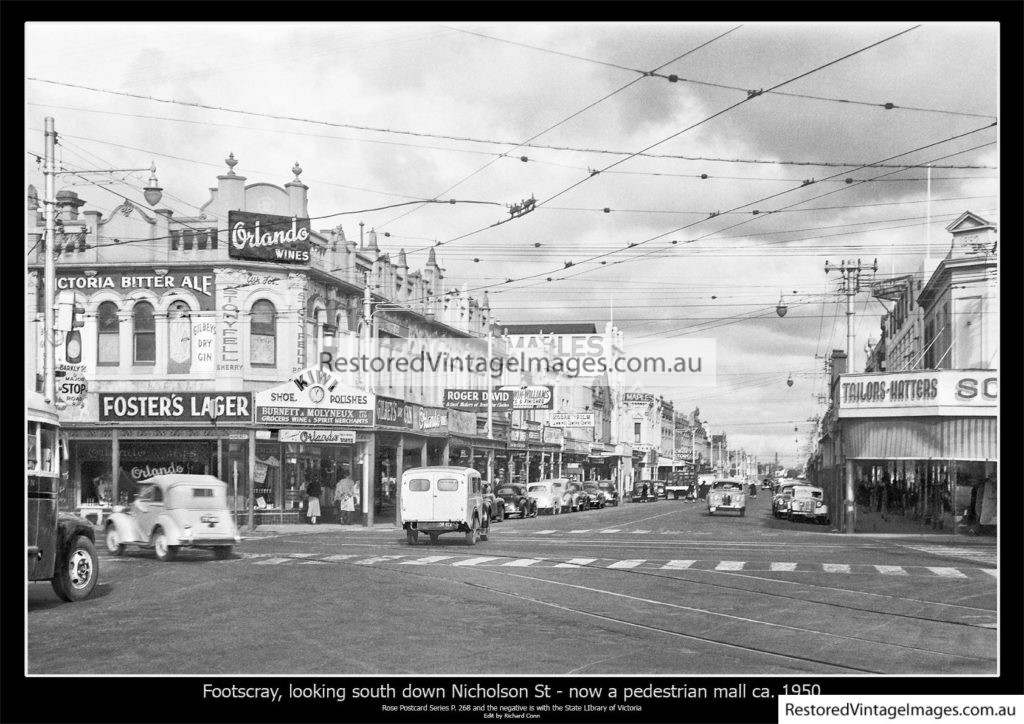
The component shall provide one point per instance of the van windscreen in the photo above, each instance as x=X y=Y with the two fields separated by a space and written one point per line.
x=418 y=485
x=447 y=484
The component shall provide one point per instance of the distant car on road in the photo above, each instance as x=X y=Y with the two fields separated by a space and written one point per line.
x=597 y=498
x=637 y=496
x=174 y=511
x=548 y=494
x=579 y=500
x=517 y=501
x=611 y=492
x=808 y=502
x=727 y=495
x=783 y=494
x=495 y=507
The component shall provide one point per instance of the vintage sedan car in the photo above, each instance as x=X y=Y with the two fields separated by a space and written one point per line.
x=548 y=495
x=783 y=494
x=637 y=495
x=597 y=498
x=808 y=502
x=611 y=492
x=492 y=504
x=578 y=498
x=172 y=511
x=516 y=501
x=727 y=495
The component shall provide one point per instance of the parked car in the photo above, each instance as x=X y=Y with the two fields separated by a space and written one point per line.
x=548 y=494
x=611 y=492
x=597 y=498
x=808 y=502
x=516 y=501
x=727 y=495
x=659 y=489
x=578 y=498
x=637 y=496
x=780 y=501
x=443 y=499
x=174 y=511
x=495 y=508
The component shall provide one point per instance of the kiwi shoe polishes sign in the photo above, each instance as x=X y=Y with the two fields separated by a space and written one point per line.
x=265 y=237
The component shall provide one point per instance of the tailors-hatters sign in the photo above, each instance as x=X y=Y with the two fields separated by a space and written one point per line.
x=919 y=393
x=265 y=237
x=314 y=397
x=175 y=406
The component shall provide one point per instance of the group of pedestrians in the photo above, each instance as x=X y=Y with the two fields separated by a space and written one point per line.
x=345 y=498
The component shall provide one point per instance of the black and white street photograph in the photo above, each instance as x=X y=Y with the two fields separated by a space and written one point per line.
x=621 y=358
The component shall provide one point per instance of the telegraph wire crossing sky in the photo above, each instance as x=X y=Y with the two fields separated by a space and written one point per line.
x=620 y=162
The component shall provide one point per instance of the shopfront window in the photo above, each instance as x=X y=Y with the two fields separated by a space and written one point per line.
x=108 y=335
x=144 y=329
x=263 y=334
x=91 y=472
x=267 y=477
x=142 y=459
x=324 y=463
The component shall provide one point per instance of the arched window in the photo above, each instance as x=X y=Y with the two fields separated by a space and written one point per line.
x=263 y=334
x=144 y=327
x=179 y=337
x=108 y=335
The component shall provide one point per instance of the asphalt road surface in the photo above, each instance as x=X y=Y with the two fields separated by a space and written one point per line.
x=655 y=588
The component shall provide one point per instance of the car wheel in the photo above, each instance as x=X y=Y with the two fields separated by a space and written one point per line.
x=77 y=574
x=411 y=536
x=471 y=534
x=114 y=545
x=222 y=552
x=485 y=531
x=164 y=551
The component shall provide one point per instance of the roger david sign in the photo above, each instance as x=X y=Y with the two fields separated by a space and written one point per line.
x=314 y=397
x=175 y=407
x=266 y=237
x=526 y=397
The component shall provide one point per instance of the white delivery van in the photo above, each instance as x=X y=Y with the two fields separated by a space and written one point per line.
x=443 y=499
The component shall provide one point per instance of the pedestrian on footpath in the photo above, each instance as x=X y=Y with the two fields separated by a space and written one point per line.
x=313 y=491
x=344 y=497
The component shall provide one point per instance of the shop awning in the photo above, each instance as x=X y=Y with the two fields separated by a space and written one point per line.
x=477 y=442
x=666 y=462
x=920 y=438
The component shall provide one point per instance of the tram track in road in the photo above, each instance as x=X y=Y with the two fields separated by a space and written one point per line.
x=575 y=610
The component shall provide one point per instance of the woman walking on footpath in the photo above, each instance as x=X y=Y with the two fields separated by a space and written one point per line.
x=344 y=496
x=313 y=491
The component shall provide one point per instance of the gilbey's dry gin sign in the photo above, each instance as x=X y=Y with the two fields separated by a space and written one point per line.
x=265 y=237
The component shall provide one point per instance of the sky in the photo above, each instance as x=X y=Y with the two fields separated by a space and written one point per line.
x=387 y=119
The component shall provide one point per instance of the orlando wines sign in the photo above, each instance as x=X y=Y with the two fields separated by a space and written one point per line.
x=265 y=237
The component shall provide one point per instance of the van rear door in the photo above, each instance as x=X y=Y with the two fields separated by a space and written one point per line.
x=418 y=497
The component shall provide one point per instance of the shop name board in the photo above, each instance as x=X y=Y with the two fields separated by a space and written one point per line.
x=557 y=345
x=527 y=397
x=342 y=437
x=937 y=392
x=201 y=283
x=572 y=419
x=314 y=397
x=175 y=407
x=431 y=418
x=266 y=237
x=552 y=435
x=637 y=398
x=395 y=413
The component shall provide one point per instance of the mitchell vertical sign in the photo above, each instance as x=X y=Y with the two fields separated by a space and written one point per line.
x=265 y=237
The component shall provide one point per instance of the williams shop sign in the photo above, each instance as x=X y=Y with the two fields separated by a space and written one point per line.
x=263 y=237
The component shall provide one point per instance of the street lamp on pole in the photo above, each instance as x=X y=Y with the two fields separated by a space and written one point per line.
x=152 y=193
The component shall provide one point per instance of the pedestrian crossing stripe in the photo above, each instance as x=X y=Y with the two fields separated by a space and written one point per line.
x=639 y=531
x=981 y=555
x=610 y=530
x=544 y=532
x=891 y=570
x=708 y=566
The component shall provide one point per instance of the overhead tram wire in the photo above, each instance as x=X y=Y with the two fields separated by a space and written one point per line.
x=691 y=127
x=683 y=228
x=569 y=118
x=674 y=79
x=669 y=156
